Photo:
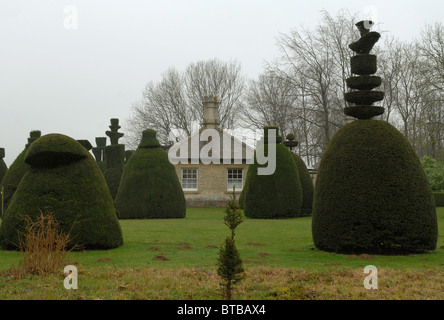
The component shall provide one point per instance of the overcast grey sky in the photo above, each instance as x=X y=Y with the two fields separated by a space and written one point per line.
x=73 y=82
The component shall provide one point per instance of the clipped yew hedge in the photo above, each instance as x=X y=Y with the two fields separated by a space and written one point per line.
x=372 y=195
x=63 y=178
x=149 y=187
x=306 y=184
x=278 y=195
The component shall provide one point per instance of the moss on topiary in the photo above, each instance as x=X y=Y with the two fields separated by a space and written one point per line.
x=16 y=171
x=74 y=191
x=278 y=195
x=306 y=184
x=371 y=194
x=149 y=187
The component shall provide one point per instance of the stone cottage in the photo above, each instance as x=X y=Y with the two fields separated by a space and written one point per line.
x=210 y=162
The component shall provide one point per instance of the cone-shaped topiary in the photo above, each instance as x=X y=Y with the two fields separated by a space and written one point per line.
x=371 y=194
x=306 y=184
x=18 y=168
x=115 y=159
x=65 y=180
x=278 y=195
x=149 y=187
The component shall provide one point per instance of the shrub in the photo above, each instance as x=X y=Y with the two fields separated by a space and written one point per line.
x=229 y=264
x=306 y=184
x=149 y=187
x=278 y=195
x=64 y=178
x=371 y=194
x=439 y=199
x=434 y=170
x=43 y=247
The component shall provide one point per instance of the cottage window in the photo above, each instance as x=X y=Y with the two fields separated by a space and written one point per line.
x=189 y=179
x=234 y=179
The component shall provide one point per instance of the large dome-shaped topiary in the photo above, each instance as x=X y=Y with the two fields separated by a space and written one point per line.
x=18 y=168
x=149 y=187
x=371 y=194
x=306 y=184
x=63 y=179
x=278 y=195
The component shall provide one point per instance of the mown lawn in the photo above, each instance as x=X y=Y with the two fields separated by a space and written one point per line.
x=175 y=259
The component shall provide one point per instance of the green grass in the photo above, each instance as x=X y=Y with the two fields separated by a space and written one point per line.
x=170 y=259
x=277 y=243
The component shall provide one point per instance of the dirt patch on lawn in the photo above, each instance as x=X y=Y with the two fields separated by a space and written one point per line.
x=161 y=257
x=333 y=264
x=187 y=247
x=256 y=244
x=253 y=261
x=263 y=254
x=211 y=246
x=104 y=260
x=154 y=248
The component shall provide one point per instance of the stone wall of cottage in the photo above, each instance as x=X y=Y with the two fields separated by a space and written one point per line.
x=212 y=189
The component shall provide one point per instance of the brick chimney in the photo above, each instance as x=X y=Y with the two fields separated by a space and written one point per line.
x=210 y=111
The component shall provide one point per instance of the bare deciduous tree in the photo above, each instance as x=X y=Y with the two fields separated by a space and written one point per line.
x=173 y=106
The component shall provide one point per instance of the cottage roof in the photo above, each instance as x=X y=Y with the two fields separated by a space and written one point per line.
x=209 y=144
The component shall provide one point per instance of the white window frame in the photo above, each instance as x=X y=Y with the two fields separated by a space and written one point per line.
x=182 y=179
x=230 y=188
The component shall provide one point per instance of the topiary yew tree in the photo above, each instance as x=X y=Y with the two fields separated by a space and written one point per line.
x=149 y=187
x=371 y=193
x=63 y=179
x=278 y=195
x=306 y=184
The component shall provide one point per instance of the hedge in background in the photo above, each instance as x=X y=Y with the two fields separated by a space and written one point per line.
x=306 y=184
x=63 y=179
x=18 y=168
x=371 y=194
x=278 y=195
x=149 y=187
x=439 y=199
